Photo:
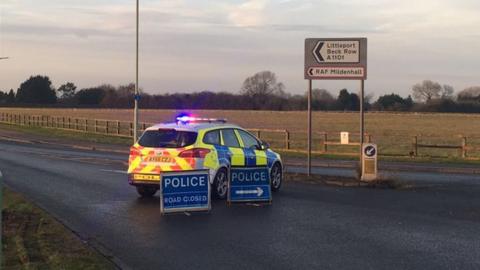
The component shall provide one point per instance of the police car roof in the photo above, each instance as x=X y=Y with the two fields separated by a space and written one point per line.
x=191 y=126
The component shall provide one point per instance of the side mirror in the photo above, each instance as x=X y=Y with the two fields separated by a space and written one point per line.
x=264 y=145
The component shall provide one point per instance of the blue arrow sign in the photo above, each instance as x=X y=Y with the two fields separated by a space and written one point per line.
x=249 y=184
x=370 y=151
x=185 y=191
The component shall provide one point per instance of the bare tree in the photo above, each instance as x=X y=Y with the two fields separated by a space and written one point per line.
x=262 y=85
x=321 y=95
x=447 y=91
x=426 y=91
x=470 y=93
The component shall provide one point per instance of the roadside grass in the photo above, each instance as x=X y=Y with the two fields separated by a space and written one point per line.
x=34 y=240
x=114 y=140
x=67 y=134
x=393 y=132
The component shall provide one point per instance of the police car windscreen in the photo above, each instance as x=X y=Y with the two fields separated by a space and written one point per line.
x=168 y=138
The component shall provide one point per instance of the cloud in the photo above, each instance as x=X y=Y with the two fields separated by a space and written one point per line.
x=248 y=14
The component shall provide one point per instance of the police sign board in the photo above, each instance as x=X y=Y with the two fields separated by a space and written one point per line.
x=185 y=191
x=335 y=58
x=249 y=185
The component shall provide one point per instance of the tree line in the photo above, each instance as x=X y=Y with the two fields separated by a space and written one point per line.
x=262 y=91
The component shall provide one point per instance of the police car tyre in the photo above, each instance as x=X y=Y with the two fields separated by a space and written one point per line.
x=276 y=176
x=146 y=191
x=220 y=184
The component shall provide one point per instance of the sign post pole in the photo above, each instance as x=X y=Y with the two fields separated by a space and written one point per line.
x=362 y=122
x=135 y=110
x=335 y=59
x=309 y=143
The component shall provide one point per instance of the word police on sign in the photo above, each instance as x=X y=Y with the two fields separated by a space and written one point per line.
x=369 y=162
x=249 y=185
x=185 y=191
x=340 y=58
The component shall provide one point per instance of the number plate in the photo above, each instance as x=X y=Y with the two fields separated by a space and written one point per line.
x=148 y=177
x=159 y=159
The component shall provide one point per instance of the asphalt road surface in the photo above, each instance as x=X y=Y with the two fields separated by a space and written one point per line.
x=309 y=226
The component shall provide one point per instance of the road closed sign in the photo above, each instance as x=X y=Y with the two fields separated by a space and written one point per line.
x=249 y=185
x=185 y=191
x=336 y=58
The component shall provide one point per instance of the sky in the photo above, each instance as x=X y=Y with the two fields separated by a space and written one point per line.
x=196 y=45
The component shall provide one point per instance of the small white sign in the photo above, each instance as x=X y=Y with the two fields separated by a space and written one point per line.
x=344 y=137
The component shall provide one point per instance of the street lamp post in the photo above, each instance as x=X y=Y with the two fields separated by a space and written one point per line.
x=137 y=96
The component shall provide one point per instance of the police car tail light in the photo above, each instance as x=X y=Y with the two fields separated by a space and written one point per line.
x=194 y=153
x=134 y=151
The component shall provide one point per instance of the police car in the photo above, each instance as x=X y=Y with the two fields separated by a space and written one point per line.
x=192 y=143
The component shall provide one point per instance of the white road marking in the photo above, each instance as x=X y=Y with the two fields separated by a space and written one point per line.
x=114 y=171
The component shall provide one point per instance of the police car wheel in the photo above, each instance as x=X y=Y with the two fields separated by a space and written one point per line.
x=276 y=176
x=146 y=191
x=220 y=184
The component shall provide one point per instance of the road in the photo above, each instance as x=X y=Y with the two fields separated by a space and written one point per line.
x=309 y=226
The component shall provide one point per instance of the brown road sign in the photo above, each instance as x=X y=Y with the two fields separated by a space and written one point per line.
x=335 y=58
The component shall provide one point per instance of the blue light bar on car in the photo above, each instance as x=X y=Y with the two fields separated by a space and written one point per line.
x=185 y=119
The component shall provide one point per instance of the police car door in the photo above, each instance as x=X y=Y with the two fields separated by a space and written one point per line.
x=235 y=152
x=254 y=155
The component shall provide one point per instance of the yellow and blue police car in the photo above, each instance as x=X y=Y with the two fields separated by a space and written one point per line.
x=192 y=143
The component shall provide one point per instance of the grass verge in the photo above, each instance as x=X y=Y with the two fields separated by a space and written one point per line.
x=106 y=139
x=71 y=135
x=34 y=240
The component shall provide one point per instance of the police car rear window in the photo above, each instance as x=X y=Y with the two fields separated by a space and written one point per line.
x=167 y=138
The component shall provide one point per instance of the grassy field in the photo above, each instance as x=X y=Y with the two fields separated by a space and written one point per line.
x=34 y=240
x=393 y=132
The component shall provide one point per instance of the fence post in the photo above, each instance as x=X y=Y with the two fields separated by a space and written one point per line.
x=325 y=138
x=464 y=147
x=106 y=126
x=415 y=146
x=287 y=139
x=118 y=127
x=144 y=126
x=96 y=125
x=131 y=129
x=86 y=125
